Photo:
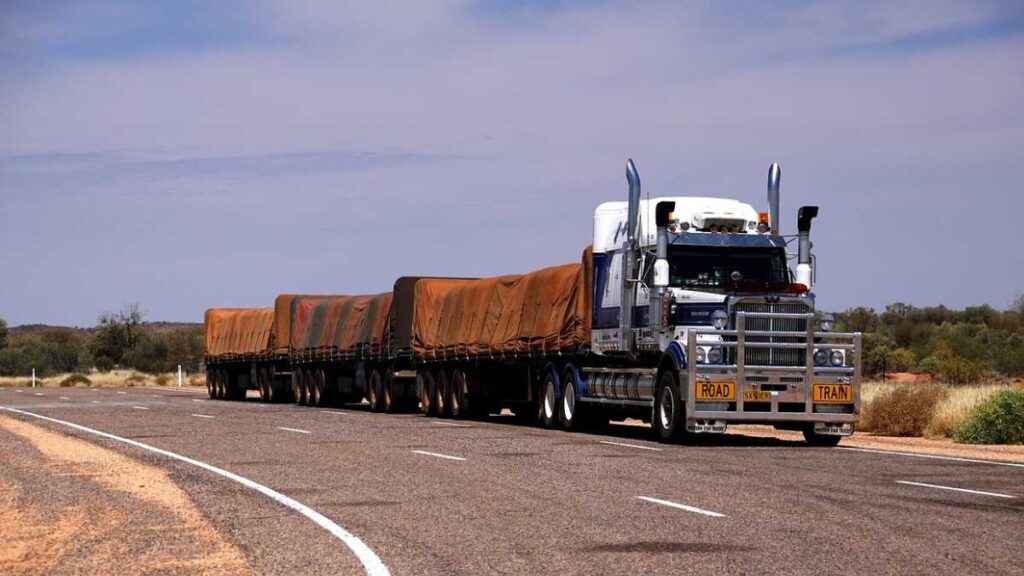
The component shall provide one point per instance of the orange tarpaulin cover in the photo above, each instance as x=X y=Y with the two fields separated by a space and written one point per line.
x=237 y=331
x=541 y=312
x=347 y=324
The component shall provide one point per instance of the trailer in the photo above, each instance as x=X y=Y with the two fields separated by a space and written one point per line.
x=684 y=312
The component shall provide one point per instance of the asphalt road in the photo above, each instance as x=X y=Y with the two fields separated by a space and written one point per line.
x=431 y=496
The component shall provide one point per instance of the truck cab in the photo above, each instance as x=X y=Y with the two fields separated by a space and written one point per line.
x=695 y=296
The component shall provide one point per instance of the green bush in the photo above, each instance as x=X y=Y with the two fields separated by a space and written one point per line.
x=1000 y=420
x=74 y=380
x=904 y=410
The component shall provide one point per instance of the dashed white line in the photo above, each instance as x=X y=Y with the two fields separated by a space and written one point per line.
x=202 y=416
x=39 y=393
x=979 y=492
x=286 y=429
x=95 y=401
x=334 y=412
x=450 y=424
x=436 y=455
x=623 y=444
x=679 y=506
x=198 y=400
x=140 y=408
x=65 y=398
x=372 y=563
x=933 y=457
x=120 y=392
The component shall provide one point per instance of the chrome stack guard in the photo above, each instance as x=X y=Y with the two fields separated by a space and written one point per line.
x=796 y=381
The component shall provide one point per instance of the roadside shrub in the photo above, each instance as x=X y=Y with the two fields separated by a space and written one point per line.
x=903 y=410
x=957 y=407
x=135 y=379
x=163 y=380
x=75 y=380
x=1000 y=420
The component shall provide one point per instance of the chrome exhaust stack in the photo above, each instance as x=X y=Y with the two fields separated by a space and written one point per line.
x=629 y=258
x=774 y=181
x=804 y=268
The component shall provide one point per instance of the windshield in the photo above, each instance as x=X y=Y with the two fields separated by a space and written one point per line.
x=726 y=268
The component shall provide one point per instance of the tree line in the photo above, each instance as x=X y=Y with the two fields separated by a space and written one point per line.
x=955 y=346
x=119 y=340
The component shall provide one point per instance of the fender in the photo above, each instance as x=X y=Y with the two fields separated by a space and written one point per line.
x=676 y=354
x=550 y=368
x=579 y=378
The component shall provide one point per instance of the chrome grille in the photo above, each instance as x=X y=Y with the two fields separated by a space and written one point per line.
x=773 y=356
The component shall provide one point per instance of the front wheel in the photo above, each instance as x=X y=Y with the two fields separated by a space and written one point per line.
x=667 y=420
x=825 y=440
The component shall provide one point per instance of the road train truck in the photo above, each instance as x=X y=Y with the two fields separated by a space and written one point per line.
x=684 y=312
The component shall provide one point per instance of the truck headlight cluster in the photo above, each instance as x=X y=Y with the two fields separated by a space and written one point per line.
x=824 y=356
x=712 y=355
x=719 y=319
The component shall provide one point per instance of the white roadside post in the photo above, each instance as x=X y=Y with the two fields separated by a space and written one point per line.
x=179 y=375
x=33 y=377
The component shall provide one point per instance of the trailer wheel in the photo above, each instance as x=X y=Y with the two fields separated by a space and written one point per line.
x=441 y=386
x=667 y=419
x=569 y=412
x=209 y=384
x=425 y=390
x=299 y=386
x=458 y=392
x=375 y=391
x=313 y=384
x=547 y=414
x=392 y=396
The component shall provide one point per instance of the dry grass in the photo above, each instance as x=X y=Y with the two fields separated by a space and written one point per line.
x=950 y=414
x=902 y=409
x=112 y=379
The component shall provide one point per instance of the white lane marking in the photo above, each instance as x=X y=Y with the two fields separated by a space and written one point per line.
x=652 y=448
x=450 y=424
x=285 y=428
x=934 y=457
x=140 y=407
x=982 y=493
x=197 y=400
x=120 y=392
x=95 y=401
x=39 y=393
x=202 y=416
x=681 y=506
x=436 y=455
x=19 y=391
x=334 y=412
x=370 y=561
x=65 y=398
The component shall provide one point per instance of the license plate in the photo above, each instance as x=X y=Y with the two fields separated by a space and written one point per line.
x=757 y=396
x=720 y=390
x=833 y=393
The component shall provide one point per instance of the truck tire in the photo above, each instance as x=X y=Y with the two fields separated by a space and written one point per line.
x=547 y=413
x=219 y=389
x=299 y=386
x=390 y=399
x=375 y=391
x=667 y=421
x=457 y=393
x=210 y=375
x=425 y=390
x=441 y=387
x=568 y=409
x=312 y=388
x=822 y=440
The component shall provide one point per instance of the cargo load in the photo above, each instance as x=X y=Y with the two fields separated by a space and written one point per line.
x=543 y=312
x=345 y=326
x=237 y=332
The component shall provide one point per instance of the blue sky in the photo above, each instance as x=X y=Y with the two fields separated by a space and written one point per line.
x=185 y=154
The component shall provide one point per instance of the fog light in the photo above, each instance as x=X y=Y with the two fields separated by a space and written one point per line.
x=836 y=357
x=820 y=357
x=701 y=356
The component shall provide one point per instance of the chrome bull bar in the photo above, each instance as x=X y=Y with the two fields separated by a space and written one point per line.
x=769 y=393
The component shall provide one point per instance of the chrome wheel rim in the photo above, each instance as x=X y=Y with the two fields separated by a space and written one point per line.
x=667 y=408
x=569 y=402
x=549 y=399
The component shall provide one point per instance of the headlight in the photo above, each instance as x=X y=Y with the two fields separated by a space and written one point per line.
x=826 y=323
x=701 y=356
x=837 y=357
x=820 y=357
x=719 y=319
x=715 y=355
